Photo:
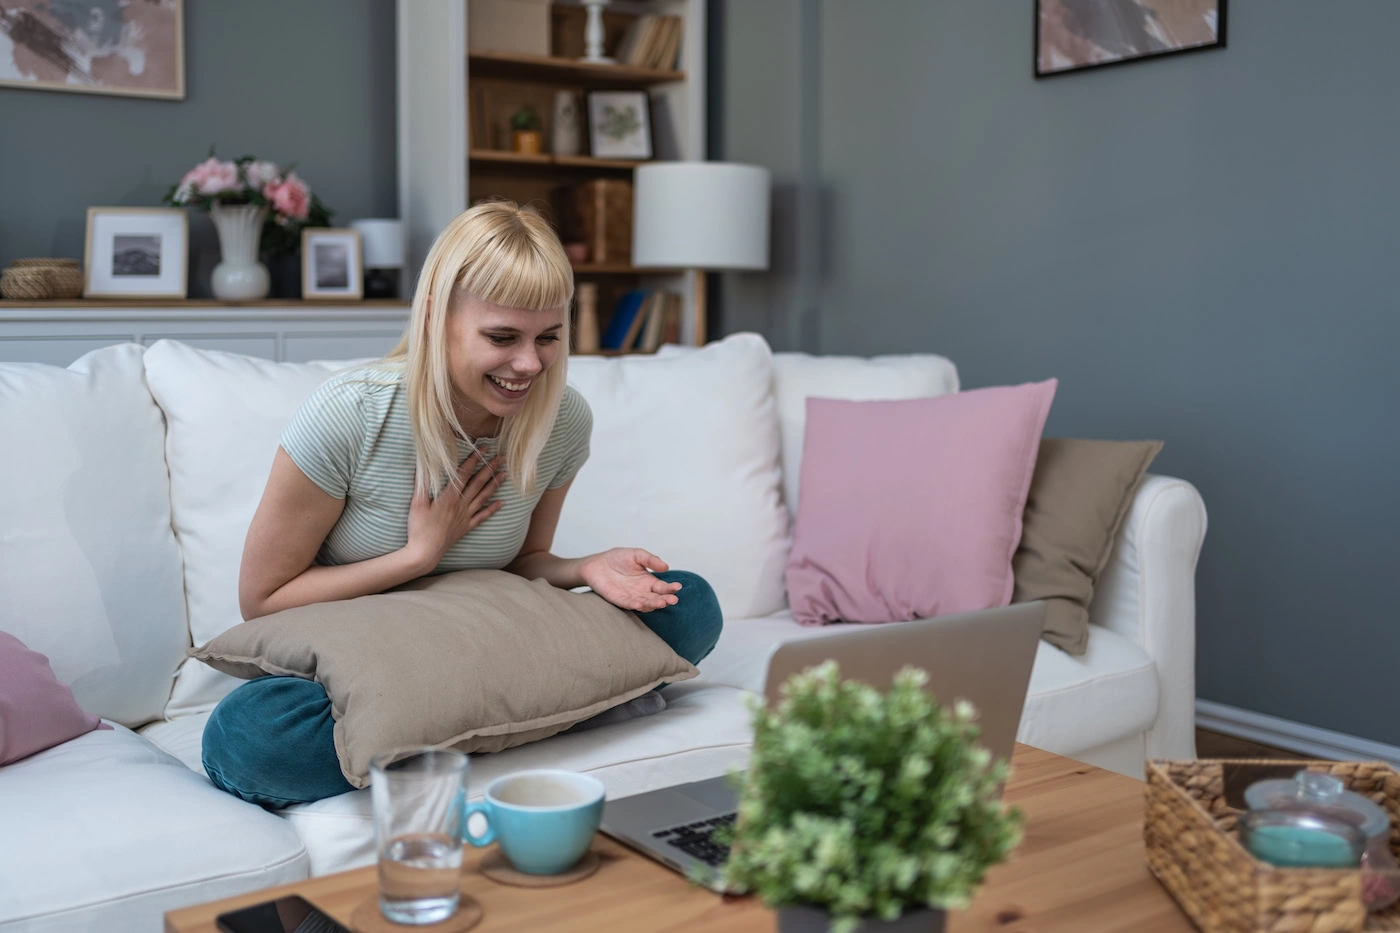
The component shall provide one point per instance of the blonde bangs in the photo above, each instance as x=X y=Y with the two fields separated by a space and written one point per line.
x=513 y=271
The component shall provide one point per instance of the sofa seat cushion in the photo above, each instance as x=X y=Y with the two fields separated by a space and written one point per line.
x=702 y=732
x=107 y=832
x=1072 y=704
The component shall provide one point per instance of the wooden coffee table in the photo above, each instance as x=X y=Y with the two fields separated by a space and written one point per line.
x=1080 y=868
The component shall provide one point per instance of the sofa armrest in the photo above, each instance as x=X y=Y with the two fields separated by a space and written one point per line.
x=1148 y=593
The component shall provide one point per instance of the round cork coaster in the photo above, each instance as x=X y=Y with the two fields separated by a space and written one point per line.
x=368 y=919
x=495 y=867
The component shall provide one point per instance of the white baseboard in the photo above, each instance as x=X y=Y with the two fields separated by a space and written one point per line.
x=1290 y=735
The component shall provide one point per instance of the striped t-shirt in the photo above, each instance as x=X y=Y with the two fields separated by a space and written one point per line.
x=353 y=438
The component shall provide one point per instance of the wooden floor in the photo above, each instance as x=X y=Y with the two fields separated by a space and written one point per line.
x=1215 y=745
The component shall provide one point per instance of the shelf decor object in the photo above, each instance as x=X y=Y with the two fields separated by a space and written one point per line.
x=593 y=33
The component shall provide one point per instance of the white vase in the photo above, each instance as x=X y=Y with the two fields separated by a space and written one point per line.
x=566 y=131
x=239 y=276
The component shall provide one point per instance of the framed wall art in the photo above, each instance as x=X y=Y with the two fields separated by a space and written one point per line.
x=1073 y=35
x=135 y=49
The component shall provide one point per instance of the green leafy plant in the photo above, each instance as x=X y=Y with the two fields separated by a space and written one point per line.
x=525 y=119
x=867 y=804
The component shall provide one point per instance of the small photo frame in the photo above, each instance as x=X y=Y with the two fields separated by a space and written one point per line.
x=619 y=124
x=332 y=263
x=136 y=252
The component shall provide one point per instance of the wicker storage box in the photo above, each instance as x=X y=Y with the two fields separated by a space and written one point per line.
x=599 y=213
x=1192 y=848
x=41 y=280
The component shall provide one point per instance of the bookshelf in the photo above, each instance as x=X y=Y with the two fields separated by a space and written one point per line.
x=455 y=100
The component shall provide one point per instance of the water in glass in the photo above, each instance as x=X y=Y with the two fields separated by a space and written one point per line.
x=418 y=799
x=419 y=877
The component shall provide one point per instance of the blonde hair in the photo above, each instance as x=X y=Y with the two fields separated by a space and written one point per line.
x=504 y=254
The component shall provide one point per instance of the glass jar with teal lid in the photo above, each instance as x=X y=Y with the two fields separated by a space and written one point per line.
x=1318 y=804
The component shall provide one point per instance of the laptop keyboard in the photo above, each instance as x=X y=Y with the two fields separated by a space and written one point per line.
x=697 y=839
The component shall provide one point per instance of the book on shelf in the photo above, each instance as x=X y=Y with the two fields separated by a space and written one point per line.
x=652 y=42
x=643 y=319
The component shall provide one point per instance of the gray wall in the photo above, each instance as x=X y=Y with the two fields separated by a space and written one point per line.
x=1202 y=249
x=310 y=82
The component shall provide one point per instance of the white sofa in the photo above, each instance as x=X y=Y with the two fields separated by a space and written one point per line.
x=127 y=484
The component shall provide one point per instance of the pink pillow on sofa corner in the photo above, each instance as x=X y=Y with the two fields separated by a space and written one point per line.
x=36 y=711
x=911 y=509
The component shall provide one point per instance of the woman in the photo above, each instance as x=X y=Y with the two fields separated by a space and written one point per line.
x=454 y=452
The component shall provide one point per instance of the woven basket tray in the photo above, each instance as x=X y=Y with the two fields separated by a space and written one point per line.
x=1193 y=849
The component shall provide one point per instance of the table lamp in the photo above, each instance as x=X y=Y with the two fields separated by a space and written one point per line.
x=700 y=216
x=381 y=239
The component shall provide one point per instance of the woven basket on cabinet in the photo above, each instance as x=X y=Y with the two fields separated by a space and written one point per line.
x=1193 y=849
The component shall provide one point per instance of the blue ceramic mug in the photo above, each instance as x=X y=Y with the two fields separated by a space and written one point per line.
x=543 y=820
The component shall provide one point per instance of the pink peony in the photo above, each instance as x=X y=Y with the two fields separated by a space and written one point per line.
x=212 y=177
x=289 y=197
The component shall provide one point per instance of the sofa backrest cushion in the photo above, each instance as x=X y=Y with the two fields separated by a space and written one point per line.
x=799 y=376
x=224 y=414
x=685 y=463
x=89 y=567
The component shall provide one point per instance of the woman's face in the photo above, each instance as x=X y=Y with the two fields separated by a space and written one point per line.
x=495 y=355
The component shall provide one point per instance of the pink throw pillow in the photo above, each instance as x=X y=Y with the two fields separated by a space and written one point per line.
x=36 y=711
x=911 y=509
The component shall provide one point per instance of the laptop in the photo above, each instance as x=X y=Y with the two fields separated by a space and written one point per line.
x=984 y=657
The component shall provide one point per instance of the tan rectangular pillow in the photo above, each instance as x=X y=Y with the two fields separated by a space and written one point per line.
x=1080 y=493
x=478 y=660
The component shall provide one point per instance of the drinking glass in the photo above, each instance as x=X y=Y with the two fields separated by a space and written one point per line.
x=419 y=797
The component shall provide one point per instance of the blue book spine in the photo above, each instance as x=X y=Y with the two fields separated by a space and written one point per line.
x=621 y=321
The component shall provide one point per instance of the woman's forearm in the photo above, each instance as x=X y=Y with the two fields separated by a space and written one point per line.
x=319 y=584
x=563 y=572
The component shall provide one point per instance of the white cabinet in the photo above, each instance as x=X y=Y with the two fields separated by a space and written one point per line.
x=58 y=334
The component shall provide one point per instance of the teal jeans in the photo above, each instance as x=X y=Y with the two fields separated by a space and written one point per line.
x=271 y=740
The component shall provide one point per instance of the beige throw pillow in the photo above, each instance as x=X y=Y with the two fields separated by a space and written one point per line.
x=478 y=660
x=1079 y=496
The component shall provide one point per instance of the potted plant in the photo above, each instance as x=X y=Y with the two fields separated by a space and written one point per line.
x=258 y=208
x=525 y=131
x=865 y=811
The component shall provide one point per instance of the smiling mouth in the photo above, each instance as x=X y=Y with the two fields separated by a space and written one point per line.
x=512 y=387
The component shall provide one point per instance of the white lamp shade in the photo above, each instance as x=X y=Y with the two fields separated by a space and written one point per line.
x=700 y=215
x=382 y=242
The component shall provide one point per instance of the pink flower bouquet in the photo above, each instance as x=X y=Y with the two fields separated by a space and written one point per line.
x=246 y=180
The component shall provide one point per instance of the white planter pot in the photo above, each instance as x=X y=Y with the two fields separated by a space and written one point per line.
x=815 y=920
x=239 y=276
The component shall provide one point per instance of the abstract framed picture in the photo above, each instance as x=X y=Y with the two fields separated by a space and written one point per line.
x=331 y=263
x=1074 y=35
x=135 y=48
x=136 y=252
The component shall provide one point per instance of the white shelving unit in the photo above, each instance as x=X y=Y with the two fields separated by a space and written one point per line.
x=439 y=176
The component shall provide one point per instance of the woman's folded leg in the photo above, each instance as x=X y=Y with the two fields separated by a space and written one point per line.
x=271 y=742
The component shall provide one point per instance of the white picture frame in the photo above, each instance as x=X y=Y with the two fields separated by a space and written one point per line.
x=619 y=125
x=332 y=264
x=136 y=252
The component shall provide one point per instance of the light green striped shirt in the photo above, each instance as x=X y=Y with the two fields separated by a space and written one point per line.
x=354 y=439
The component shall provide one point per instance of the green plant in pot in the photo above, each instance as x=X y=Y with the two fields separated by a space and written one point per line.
x=525 y=131
x=865 y=810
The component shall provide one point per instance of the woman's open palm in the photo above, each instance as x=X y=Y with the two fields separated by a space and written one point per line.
x=623 y=576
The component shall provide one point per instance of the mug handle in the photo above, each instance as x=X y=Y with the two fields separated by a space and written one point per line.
x=486 y=838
